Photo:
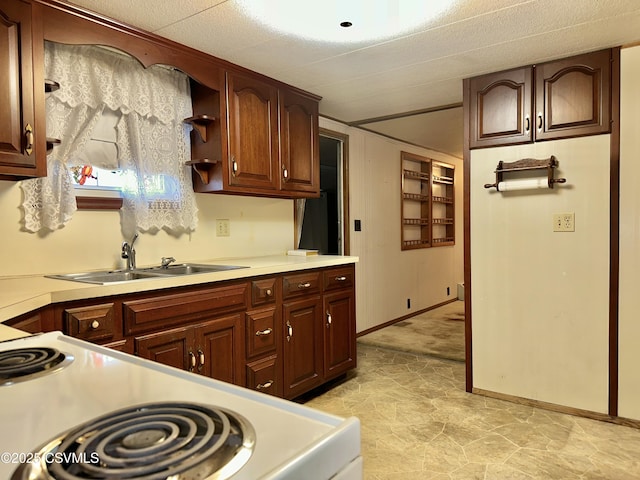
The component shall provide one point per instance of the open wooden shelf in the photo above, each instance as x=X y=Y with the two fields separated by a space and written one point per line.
x=427 y=203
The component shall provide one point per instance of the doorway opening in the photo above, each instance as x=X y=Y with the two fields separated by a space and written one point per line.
x=321 y=222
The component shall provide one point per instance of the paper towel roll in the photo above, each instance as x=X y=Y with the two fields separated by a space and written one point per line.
x=523 y=184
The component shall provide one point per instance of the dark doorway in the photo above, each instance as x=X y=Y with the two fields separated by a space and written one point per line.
x=322 y=222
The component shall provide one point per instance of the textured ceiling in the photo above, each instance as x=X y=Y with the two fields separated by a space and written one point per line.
x=419 y=70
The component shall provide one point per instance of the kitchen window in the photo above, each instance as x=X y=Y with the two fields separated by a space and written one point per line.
x=113 y=115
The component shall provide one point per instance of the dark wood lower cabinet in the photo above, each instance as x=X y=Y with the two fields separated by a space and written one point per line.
x=213 y=348
x=280 y=334
x=339 y=336
x=302 y=352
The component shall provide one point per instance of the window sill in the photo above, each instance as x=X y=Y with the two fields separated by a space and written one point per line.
x=98 y=203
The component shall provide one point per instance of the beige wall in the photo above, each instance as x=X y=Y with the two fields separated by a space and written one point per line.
x=92 y=240
x=629 y=307
x=540 y=298
x=387 y=276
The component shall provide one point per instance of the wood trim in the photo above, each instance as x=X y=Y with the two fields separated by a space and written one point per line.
x=466 y=166
x=404 y=317
x=98 y=203
x=578 y=412
x=440 y=108
x=614 y=232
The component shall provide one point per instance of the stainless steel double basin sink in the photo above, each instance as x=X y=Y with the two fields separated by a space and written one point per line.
x=112 y=276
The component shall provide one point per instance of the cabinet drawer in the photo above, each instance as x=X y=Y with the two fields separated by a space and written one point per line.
x=336 y=278
x=263 y=292
x=262 y=375
x=94 y=323
x=261 y=332
x=170 y=310
x=301 y=284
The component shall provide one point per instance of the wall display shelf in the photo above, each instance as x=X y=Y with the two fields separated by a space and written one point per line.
x=427 y=202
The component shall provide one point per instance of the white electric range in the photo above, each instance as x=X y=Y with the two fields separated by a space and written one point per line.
x=99 y=413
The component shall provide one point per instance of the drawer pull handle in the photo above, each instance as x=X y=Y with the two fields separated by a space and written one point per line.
x=201 y=358
x=28 y=132
x=192 y=361
x=268 y=292
x=328 y=320
x=264 y=385
x=95 y=324
x=290 y=331
x=234 y=166
x=266 y=331
x=527 y=123
x=539 y=120
x=304 y=285
x=340 y=279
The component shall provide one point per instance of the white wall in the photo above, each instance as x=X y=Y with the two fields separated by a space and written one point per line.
x=540 y=298
x=386 y=276
x=629 y=306
x=92 y=240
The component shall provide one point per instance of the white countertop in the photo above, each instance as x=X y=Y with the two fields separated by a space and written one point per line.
x=22 y=294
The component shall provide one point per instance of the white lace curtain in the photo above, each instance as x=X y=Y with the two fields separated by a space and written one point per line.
x=152 y=141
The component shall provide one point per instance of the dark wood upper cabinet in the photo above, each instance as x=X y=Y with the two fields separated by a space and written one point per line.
x=252 y=109
x=22 y=135
x=299 y=143
x=560 y=99
x=573 y=96
x=500 y=108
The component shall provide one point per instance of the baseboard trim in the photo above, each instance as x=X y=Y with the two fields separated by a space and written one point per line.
x=578 y=412
x=404 y=317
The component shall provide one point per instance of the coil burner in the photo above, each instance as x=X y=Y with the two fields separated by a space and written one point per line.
x=21 y=364
x=158 y=441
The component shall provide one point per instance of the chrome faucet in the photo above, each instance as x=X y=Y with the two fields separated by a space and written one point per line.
x=129 y=253
x=166 y=261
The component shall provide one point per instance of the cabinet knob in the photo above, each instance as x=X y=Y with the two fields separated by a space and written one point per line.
x=95 y=324
x=264 y=385
x=268 y=292
x=192 y=361
x=28 y=133
x=304 y=285
x=285 y=174
x=527 y=123
x=539 y=120
x=289 y=331
x=234 y=166
x=266 y=331
x=328 y=320
x=201 y=358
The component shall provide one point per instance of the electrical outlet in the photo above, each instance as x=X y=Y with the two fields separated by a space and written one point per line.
x=223 y=228
x=564 y=222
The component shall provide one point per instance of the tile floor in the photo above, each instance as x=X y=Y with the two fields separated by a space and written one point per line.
x=419 y=423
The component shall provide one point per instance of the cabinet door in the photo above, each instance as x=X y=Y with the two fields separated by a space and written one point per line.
x=171 y=347
x=299 y=144
x=20 y=136
x=253 y=132
x=573 y=96
x=218 y=348
x=500 y=108
x=302 y=352
x=339 y=333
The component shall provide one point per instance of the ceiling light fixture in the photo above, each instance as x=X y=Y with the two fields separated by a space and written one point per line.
x=324 y=20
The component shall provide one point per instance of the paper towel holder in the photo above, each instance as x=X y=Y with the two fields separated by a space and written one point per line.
x=524 y=165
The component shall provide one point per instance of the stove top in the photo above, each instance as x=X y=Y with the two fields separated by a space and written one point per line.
x=58 y=412
x=152 y=442
x=22 y=364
